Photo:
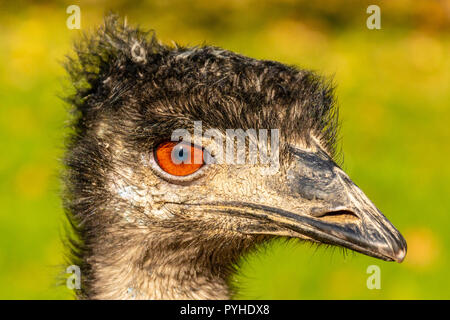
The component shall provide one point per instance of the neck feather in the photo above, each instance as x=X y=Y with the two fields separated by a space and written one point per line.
x=133 y=263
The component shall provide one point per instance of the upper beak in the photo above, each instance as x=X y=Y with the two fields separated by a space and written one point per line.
x=333 y=210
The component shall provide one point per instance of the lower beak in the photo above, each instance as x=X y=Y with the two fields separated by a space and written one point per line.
x=373 y=237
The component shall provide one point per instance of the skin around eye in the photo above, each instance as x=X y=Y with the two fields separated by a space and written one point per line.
x=178 y=159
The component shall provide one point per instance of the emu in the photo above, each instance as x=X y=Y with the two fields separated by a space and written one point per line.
x=143 y=226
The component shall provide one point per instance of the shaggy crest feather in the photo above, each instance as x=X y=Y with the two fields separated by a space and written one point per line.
x=120 y=64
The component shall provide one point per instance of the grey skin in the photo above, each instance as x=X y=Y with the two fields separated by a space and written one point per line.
x=312 y=199
x=138 y=232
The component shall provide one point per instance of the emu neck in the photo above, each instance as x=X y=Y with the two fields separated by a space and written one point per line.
x=130 y=263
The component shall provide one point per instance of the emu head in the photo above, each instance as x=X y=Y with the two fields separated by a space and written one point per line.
x=133 y=93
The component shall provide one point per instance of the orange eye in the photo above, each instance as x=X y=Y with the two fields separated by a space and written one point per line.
x=179 y=159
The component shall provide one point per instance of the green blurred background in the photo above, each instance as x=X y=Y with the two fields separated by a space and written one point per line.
x=393 y=87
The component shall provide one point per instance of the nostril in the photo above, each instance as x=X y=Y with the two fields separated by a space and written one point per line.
x=339 y=216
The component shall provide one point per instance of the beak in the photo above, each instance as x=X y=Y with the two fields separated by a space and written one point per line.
x=331 y=209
